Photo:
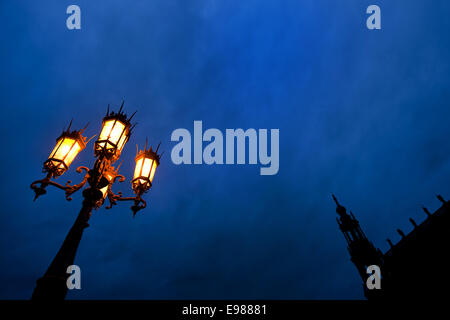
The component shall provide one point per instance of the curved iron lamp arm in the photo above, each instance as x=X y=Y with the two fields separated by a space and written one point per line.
x=139 y=203
x=40 y=190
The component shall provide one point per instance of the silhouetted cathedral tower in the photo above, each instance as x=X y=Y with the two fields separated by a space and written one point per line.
x=362 y=252
x=413 y=268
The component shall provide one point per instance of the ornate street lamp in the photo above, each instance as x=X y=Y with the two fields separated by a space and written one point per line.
x=146 y=162
x=116 y=131
x=68 y=145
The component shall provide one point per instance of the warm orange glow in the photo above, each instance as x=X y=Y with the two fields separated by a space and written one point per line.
x=152 y=173
x=147 y=167
x=65 y=152
x=114 y=131
x=137 y=171
x=105 y=189
x=145 y=170
x=112 y=138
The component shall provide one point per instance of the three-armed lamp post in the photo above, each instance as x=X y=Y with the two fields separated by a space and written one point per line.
x=115 y=133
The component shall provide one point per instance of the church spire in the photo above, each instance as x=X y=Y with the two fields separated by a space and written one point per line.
x=348 y=224
x=363 y=253
x=339 y=209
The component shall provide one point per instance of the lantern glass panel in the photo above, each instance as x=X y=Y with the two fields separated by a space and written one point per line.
x=137 y=171
x=146 y=169
x=153 y=171
x=114 y=131
x=121 y=143
x=66 y=150
x=106 y=130
x=105 y=189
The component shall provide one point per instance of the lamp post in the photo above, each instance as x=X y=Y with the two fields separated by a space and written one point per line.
x=116 y=131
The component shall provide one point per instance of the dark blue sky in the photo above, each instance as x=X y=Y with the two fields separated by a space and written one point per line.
x=361 y=113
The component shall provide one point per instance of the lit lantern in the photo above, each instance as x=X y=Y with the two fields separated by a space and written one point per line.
x=115 y=133
x=68 y=145
x=104 y=190
x=147 y=161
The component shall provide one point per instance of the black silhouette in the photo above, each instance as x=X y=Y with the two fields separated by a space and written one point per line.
x=415 y=267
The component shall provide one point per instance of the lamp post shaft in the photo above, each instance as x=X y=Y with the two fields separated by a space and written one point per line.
x=53 y=286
